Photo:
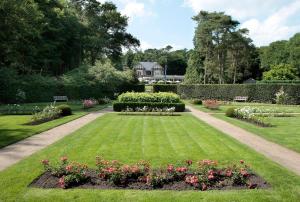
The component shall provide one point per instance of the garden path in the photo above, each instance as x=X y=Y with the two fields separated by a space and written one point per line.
x=281 y=155
x=16 y=152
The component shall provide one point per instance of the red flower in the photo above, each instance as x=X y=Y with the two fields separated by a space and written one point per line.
x=170 y=168
x=228 y=173
x=61 y=182
x=69 y=168
x=242 y=161
x=64 y=159
x=111 y=170
x=189 y=162
x=211 y=177
x=204 y=187
x=244 y=172
x=45 y=162
x=181 y=169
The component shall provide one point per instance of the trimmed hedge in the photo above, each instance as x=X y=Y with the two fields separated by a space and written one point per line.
x=120 y=106
x=165 y=88
x=279 y=81
x=149 y=97
x=227 y=92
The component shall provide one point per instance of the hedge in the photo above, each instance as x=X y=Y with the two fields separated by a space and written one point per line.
x=149 y=97
x=120 y=106
x=165 y=88
x=227 y=92
x=279 y=81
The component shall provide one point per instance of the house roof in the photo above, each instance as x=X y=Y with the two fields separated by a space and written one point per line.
x=149 y=65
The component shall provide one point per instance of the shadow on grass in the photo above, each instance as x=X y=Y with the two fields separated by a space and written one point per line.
x=10 y=136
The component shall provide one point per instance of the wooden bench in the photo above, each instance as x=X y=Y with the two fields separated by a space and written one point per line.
x=241 y=98
x=60 y=98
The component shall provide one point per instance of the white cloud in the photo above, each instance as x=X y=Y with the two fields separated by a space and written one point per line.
x=266 y=20
x=145 y=45
x=273 y=27
x=135 y=9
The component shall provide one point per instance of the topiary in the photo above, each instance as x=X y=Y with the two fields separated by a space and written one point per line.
x=196 y=101
x=230 y=112
x=65 y=110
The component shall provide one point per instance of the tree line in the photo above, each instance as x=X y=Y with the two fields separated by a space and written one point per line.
x=51 y=37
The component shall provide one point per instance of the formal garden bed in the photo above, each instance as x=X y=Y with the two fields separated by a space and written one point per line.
x=150 y=102
x=204 y=175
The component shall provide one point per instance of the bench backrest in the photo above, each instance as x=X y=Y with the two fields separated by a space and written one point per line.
x=241 y=98
x=60 y=97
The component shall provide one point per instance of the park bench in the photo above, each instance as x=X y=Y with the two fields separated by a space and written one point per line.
x=241 y=98
x=60 y=98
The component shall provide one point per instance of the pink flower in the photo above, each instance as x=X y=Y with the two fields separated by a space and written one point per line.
x=170 y=168
x=203 y=187
x=64 y=159
x=111 y=170
x=135 y=169
x=61 y=182
x=45 y=162
x=242 y=161
x=211 y=177
x=69 y=168
x=126 y=168
x=181 y=169
x=244 y=172
x=194 y=180
x=228 y=173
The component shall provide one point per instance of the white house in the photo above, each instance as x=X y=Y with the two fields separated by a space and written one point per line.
x=152 y=71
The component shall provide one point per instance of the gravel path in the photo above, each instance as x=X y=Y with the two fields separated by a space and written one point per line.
x=283 y=156
x=14 y=153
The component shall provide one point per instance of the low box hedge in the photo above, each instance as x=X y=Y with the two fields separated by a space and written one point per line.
x=149 y=97
x=120 y=106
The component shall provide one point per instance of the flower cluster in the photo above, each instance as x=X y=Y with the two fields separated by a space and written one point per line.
x=202 y=175
x=48 y=113
x=89 y=103
x=252 y=114
x=69 y=174
x=150 y=110
x=211 y=104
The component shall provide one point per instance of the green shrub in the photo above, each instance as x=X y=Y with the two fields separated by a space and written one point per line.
x=196 y=101
x=121 y=106
x=149 y=97
x=230 y=112
x=256 y=92
x=165 y=88
x=65 y=110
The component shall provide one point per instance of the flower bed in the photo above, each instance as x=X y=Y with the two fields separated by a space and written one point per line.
x=203 y=175
x=211 y=104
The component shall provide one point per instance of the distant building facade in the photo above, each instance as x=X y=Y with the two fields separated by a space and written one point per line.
x=152 y=71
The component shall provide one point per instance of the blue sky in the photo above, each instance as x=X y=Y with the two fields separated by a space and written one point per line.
x=157 y=23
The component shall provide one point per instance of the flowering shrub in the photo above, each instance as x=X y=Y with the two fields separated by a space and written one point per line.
x=149 y=97
x=281 y=97
x=211 y=104
x=69 y=174
x=252 y=114
x=149 y=111
x=48 y=113
x=205 y=174
x=89 y=103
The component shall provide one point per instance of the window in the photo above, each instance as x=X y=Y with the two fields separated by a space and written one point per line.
x=148 y=73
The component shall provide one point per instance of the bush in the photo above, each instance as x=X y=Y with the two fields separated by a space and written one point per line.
x=65 y=110
x=230 y=112
x=256 y=92
x=89 y=103
x=211 y=104
x=165 y=88
x=196 y=101
x=149 y=97
x=49 y=113
x=121 y=106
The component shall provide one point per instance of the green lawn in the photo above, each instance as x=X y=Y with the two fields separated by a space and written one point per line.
x=12 y=128
x=160 y=140
x=286 y=130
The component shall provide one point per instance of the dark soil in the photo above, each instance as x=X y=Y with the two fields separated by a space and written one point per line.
x=46 y=181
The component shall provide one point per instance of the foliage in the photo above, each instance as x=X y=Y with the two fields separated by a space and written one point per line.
x=223 y=53
x=89 y=103
x=47 y=114
x=196 y=101
x=70 y=174
x=206 y=175
x=211 y=104
x=280 y=81
x=17 y=109
x=230 y=112
x=281 y=97
x=253 y=115
x=53 y=37
x=65 y=110
x=149 y=111
x=161 y=97
x=264 y=93
x=281 y=72
x=165 y=88
x=121 y=106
